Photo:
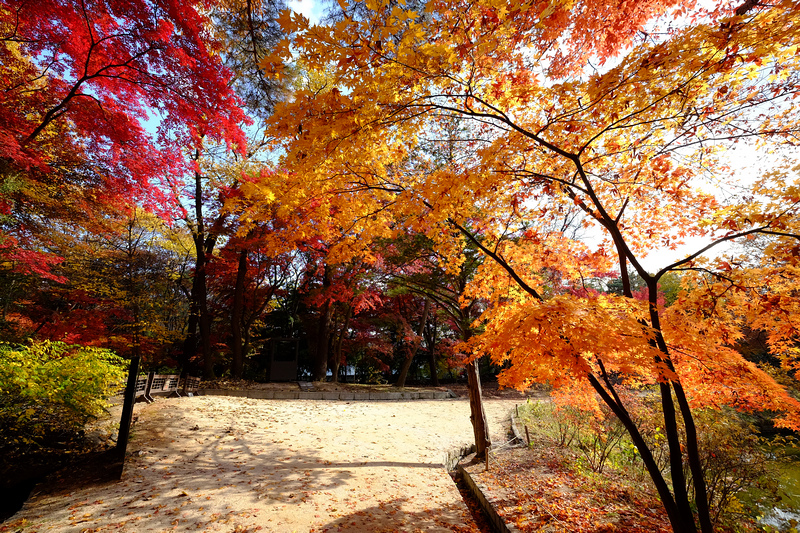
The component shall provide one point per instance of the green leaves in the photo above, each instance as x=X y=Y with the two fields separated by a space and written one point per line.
x=51 y=387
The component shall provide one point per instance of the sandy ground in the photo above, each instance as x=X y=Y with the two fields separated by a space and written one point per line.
x=235 y=464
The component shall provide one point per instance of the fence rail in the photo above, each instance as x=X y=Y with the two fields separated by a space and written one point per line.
x=163 y=385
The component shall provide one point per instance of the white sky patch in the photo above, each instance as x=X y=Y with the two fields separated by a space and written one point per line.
x=311 y=9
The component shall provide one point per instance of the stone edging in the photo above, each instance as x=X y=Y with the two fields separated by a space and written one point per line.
x=329 y=395
x=487 y=503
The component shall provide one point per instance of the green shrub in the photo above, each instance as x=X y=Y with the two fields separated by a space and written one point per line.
x=50 y=390
x=733 y=459
x=599 y=439
x=733 y=456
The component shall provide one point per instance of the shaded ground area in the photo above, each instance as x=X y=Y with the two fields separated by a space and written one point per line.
x=237 y=464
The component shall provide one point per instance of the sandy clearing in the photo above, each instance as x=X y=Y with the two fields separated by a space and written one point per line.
x=236 y=464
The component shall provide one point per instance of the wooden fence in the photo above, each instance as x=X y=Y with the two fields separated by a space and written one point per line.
x=151 y=384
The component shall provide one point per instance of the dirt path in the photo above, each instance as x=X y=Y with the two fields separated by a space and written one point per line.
x=230 y=464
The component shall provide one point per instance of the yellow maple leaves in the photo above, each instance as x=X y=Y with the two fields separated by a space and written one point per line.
x=623 y=149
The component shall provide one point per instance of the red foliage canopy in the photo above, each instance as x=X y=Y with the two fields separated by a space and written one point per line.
x=101 y=67
x=78 y=81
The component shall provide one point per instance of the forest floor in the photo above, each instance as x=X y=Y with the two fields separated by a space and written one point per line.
x=542 y=489
x=237 y=464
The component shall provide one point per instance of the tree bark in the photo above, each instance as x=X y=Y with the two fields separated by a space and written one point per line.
x=432 y=367
x=204 y=318
x=337 y=349
x=430 y=339
x=336 y=352
x=237 y=362
x=190 y=341
x=677 y=520
x=204 y=244
x=401 y=379
x=477 y=416
x=319 y=364
x=322 y=333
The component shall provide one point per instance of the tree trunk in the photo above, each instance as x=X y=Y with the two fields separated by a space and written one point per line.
x=205 y=324
x=401 y=379
x=190 y=342
x=319 y=363
x=477 y=416
x=692 y=451
x=319 y=342
x=322 y=333
x=132 y=288
x=432 y=367
x=430 y=339
x=676 y=518
x=203 y=244
x=336 y=355
x=237 y=362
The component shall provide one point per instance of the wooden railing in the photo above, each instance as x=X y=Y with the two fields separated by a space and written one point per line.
x=164 y=384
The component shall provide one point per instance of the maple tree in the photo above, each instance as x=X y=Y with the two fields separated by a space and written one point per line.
x=606 y=107
x=100 y=102
x=246 y=279
x=103 y=66
x=333 y=295
x=244 y=32
x=79 y=79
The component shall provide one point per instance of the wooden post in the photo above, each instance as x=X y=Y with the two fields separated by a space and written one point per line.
x=127 y=409
x=148 y=387
x=477 y=415
x=528 y=436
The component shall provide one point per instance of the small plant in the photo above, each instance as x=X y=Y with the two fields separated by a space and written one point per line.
x=599 y=439
x=733 y=460
x=558 y=425
x=569 y=421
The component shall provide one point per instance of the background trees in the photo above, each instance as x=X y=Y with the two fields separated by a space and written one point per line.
x=79 y=81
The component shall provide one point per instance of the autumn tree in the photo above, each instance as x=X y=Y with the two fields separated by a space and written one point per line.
x=244 y=33
x=333 y=294
x=116 y=288
x=615 y=109
x=81 y=76
x=79 y=82
x=245 y=281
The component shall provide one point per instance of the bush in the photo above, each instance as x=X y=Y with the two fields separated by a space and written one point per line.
x=601 y=438
x=732 y=455
x=50 y=390
x=733 y=460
